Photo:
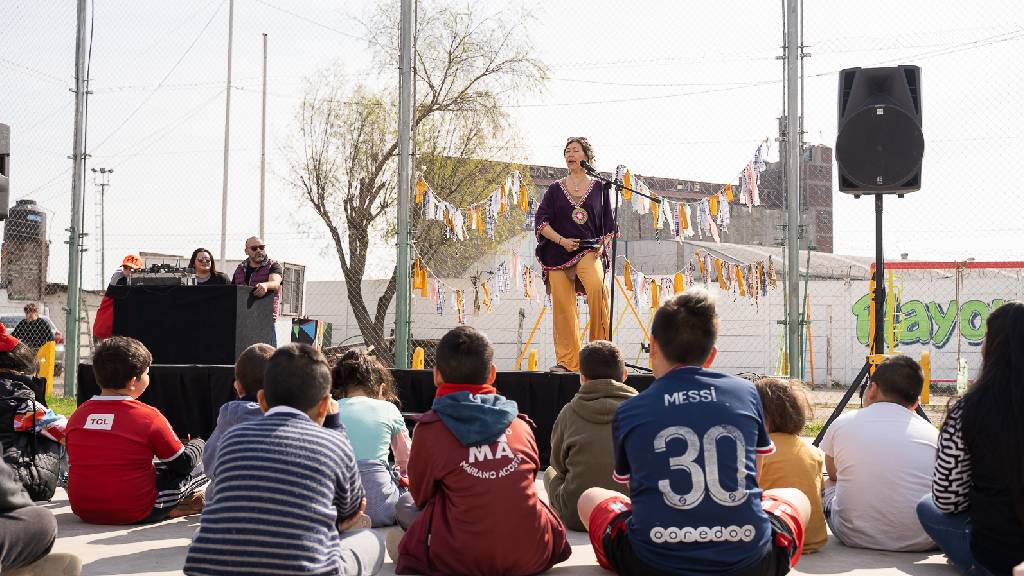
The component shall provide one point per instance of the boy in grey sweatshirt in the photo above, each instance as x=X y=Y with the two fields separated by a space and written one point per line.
x=249 y=369
x=581 y=440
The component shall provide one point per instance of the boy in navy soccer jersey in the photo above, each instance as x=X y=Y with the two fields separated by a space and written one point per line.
x=690 y=447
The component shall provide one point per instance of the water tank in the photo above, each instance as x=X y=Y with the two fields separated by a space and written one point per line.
x=26 y=222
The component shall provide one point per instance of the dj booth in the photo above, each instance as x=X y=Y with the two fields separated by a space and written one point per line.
x=192 y=324
x=195 y=333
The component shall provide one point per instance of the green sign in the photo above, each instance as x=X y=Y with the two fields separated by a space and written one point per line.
x=931 y=322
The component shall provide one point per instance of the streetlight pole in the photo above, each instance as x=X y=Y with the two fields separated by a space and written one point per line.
x=74 y=230
x=103 y=181
x=407 y=28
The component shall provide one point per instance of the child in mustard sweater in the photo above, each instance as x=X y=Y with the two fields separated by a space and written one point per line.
x=795 y=463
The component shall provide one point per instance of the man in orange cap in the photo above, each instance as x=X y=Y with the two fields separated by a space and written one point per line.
x=103 y=327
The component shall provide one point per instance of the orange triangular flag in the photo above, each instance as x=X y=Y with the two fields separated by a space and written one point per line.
x=627 y=185
x=721 y=278
x=728 y=192
x=678 y=283
x=713 y=205
x=421 y=189
x=627 y=273
x=416 y=274
x=683 y=223
x=524 y=198
x=458 y=305
x=655 y=205
x=739 y=280
x=655 y=301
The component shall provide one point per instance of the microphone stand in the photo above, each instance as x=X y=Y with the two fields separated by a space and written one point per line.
x=618 y=189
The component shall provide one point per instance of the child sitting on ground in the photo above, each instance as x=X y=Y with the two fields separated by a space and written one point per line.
x=30 y=432
x=112 y=440
x=581 y=439
x=365 y=392
x=690 y=448
x=795 y=463
x=472 y=470
x=249 y=369
x=879 y=461
x=288 y=496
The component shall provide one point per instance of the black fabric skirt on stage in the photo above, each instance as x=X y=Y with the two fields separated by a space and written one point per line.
x=191 y=396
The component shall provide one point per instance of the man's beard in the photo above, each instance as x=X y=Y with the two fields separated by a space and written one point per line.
x=259 y=260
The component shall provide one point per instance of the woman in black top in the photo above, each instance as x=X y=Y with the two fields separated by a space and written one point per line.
x=975 y=512
x=206 y=269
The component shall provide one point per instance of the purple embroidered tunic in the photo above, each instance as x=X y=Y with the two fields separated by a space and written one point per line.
x=594 y=225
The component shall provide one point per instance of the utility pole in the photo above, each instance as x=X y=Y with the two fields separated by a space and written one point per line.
x=263 y=140
x=405 y=108
x=71 y=351
x=227 y=138
x=102 y=181
x=794 y=137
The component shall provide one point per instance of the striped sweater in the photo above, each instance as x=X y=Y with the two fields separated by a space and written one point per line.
x=283 y=482
x=951 y=481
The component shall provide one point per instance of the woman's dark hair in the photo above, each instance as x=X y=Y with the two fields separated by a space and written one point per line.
x=992 y=408
x=213 y=263
x=21 y=360
x=357 y=370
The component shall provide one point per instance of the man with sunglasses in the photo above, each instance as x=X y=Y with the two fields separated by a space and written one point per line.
x=261 y=273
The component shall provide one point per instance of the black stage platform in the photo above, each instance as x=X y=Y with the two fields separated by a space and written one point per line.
x=191 y=396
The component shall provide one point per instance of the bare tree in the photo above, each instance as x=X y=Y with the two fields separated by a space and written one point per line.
x=467 y=65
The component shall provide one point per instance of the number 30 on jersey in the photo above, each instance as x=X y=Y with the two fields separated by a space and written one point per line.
x=704 y=481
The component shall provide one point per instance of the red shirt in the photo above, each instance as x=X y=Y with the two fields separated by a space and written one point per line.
x=481 y=514
x=111 y=442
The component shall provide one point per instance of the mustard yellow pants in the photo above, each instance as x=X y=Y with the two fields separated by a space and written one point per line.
x=565 y=318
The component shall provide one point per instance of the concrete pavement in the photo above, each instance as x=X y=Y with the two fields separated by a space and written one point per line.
x=159 y=550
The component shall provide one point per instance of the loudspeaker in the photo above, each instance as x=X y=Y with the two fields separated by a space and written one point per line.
x=880 y=143
x=5 y=169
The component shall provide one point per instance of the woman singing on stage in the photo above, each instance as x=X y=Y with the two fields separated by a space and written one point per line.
x=575 y=226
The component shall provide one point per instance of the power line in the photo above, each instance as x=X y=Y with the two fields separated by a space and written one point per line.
x=166 y=76
x=34 y=72
x=313 y=22
x=167 y=129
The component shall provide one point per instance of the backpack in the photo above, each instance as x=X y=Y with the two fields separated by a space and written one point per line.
x=34 y=458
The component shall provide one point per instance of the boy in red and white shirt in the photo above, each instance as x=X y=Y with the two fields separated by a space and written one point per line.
x=113 y=439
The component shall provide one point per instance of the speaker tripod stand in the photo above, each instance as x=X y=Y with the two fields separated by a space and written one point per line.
x=861 y=380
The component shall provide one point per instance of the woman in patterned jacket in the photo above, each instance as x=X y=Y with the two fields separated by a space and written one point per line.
x=975 y=512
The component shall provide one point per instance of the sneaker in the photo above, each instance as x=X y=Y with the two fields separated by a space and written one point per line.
x=190 y=505
x=392 y=537
x=50 y=565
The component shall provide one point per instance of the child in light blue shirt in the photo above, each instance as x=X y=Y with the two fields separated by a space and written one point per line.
x=367 y=406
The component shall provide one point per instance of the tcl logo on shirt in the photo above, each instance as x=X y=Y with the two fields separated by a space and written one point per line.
x=99 y=421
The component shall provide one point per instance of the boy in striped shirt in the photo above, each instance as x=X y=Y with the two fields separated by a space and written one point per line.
x=288 y=499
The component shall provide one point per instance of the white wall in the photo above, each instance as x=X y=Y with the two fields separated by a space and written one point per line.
x=749 y=335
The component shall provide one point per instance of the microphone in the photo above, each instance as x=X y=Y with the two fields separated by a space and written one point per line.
x=587 y=167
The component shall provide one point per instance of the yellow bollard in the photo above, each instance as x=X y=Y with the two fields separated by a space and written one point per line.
x=47 y=357
x=926 y=367
x=531 y=362
x=418 y=357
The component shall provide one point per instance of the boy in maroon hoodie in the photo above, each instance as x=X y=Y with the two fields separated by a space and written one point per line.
x=472 y=469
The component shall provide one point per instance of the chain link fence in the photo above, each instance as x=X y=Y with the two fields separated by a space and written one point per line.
x=689 y=103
